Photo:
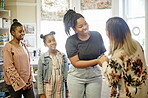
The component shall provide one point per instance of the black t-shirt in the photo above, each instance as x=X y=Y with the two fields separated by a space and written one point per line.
x=86 y=50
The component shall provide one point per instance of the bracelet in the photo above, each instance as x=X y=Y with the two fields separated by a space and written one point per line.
x=99 y=56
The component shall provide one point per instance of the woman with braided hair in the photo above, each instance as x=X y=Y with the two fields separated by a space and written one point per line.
x=85 y=50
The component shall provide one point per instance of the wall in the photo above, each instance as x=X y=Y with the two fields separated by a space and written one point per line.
x=119 y=10
x=24 y=10
x=75 y=4
x=28 y=11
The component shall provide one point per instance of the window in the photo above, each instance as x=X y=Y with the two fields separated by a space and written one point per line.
x=52 y=12
x=136 y=19
x=97 y=21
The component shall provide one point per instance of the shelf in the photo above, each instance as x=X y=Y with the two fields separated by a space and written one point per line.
x=2 y=44
x=4 y=10
x=5 y=14
x=5 y=23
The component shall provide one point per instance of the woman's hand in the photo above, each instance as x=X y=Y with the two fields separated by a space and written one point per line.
x=102 y=59
x=29 y=85
x=42 y=96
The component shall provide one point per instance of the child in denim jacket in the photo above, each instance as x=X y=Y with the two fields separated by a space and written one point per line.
x=52 y=70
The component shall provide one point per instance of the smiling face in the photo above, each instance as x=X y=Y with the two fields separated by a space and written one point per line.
x=18 y=33
x=81 y=27
x=50 y=42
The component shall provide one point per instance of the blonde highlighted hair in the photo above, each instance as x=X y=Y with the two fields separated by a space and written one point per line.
x=120 y=36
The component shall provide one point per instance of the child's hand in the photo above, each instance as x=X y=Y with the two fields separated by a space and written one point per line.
x=66 y=93
x=25 y=87
x=29 y=85
x=42 y=96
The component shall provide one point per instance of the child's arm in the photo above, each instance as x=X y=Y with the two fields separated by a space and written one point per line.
x=65 y=62
x=65 y=74
x=40 y=78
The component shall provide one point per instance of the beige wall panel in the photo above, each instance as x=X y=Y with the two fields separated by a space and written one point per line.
x=26 y=14
x=25 y=1
x=10 y=1
x=13 y=10
x=28 y=1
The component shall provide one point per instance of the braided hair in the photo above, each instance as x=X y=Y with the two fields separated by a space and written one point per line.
x=44 y=36
x=70 y=20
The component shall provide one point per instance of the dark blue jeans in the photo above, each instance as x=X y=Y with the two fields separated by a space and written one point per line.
x=28 y=93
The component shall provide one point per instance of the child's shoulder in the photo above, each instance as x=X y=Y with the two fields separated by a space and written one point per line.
x=46 y=54
x=8 y=47
x=62 y=53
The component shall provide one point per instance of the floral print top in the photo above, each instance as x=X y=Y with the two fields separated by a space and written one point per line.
x=127 y=75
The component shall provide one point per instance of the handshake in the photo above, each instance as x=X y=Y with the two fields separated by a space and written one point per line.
x=101 y=59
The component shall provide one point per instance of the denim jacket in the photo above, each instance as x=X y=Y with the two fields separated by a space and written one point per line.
x=45 y=68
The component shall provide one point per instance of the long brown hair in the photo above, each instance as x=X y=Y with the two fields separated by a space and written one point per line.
x=120 y=36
